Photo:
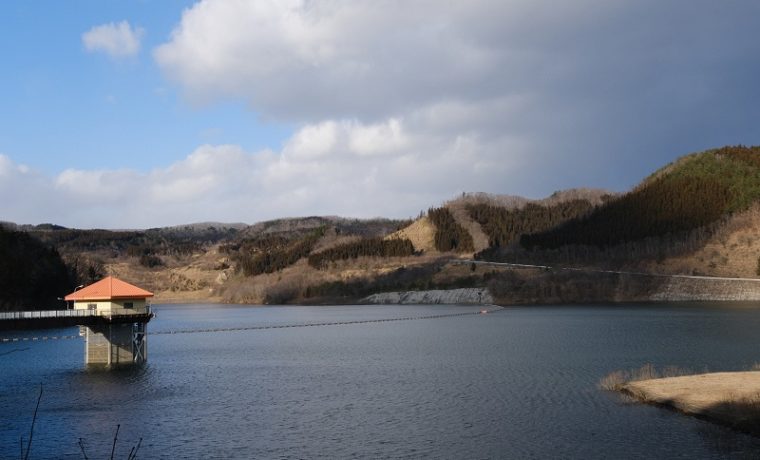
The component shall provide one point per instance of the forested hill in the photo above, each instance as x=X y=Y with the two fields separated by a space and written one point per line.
x=41 y=263
x=698 y=215
x=691 y=193
x=32 y=275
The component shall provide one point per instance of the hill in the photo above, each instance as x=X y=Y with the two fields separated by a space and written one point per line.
x=692 y=193
x=32 y=274
x=699 y=215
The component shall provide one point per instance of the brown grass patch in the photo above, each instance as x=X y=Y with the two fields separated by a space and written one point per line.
x=614 y=381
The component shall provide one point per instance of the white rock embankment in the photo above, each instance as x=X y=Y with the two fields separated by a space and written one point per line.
x=687 y=289
x=464 y=296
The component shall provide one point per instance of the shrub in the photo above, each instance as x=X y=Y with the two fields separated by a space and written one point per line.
x=370 y=247
x=150 y=261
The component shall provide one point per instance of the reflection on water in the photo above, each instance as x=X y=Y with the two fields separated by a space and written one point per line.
x=520 y=383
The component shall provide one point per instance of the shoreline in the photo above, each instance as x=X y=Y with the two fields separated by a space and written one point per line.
x=730 y=399
x=318 y=301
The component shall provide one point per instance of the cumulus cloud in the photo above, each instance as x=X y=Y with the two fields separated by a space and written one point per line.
x=400 y=105
x=345 y=59
x=115 y=39
x=392 y=168
x=598 y=92
x=26 y=195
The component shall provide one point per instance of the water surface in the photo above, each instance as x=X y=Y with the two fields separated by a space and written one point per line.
x=519 y=383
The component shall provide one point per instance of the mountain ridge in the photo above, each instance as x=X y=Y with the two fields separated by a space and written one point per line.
x=700 y=214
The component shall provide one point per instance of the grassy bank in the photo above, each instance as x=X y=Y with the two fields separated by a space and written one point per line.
x=730 y=399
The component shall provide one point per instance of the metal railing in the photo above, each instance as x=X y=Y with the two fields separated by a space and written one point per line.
x=11 y=315
x=126 y=311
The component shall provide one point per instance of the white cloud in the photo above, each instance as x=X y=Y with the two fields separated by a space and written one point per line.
x=401 y=105
x=115 y=39
x=344 y=59
x=341 y=167
x=597 y=92
x=27 y=195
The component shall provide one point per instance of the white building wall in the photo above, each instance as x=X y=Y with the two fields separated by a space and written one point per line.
x=109 y=306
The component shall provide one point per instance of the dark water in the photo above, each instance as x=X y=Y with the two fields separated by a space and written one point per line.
x=520 y=383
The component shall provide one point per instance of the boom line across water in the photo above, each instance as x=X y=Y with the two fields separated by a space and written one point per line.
x=493 y=308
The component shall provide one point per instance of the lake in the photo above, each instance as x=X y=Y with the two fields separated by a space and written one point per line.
x=517 y=383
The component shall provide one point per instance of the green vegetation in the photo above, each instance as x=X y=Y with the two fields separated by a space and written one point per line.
x=736 y=168
x=402 y=279
x=32 y=274
x=505 y=226
x=449 y=235
x=371 y=227
x=524 y=287
x=131 y=243
x=271 y=253
x=85 y=269
x=673 y=212
x=692 y=193
x=151 y=261
x=360 y=227
x=368 y=247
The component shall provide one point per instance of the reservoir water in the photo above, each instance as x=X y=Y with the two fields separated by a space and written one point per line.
x=517 y=383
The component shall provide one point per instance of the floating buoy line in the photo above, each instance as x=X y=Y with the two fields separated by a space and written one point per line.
x=492 y=309
x=39 y=339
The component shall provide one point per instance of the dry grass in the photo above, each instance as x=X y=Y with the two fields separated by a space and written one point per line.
x=614 y=381
x=290 y=284
x=728 y=398
x=421 y=233
x=732 y=251
x=193 y=277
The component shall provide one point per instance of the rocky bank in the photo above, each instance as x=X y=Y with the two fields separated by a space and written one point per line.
x=465 y=296
x=706 y=289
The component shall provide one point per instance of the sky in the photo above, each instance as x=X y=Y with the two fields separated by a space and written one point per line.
x=148 y=113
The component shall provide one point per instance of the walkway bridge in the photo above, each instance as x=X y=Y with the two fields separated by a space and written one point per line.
x=113 y=337
x=49 y=319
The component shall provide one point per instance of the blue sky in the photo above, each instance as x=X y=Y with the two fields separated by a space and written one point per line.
x=142 y=113
x=69 y=108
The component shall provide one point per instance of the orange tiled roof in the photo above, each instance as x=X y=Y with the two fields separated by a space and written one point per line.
x=109 y=288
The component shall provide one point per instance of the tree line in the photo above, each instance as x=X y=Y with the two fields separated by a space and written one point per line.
x=32 y=274
x=668 y=205
x=369 y=247
x=449 y=235
x=629 y=254
x=414 y=278
x=269 y=254
x=505 y=226
x=673 y=212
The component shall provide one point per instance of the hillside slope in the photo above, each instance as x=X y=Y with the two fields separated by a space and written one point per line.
x=700 y=215
x=32 y=275
x=692 y=193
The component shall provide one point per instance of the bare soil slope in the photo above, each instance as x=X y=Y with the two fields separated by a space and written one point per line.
x=462 y=216
x=192 y=278
x=733 y=251
x=421 y=233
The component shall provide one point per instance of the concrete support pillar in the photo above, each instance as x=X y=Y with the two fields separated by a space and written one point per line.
x=116 y=344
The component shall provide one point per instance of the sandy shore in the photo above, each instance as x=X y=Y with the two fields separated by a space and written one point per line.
x=728 y=398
